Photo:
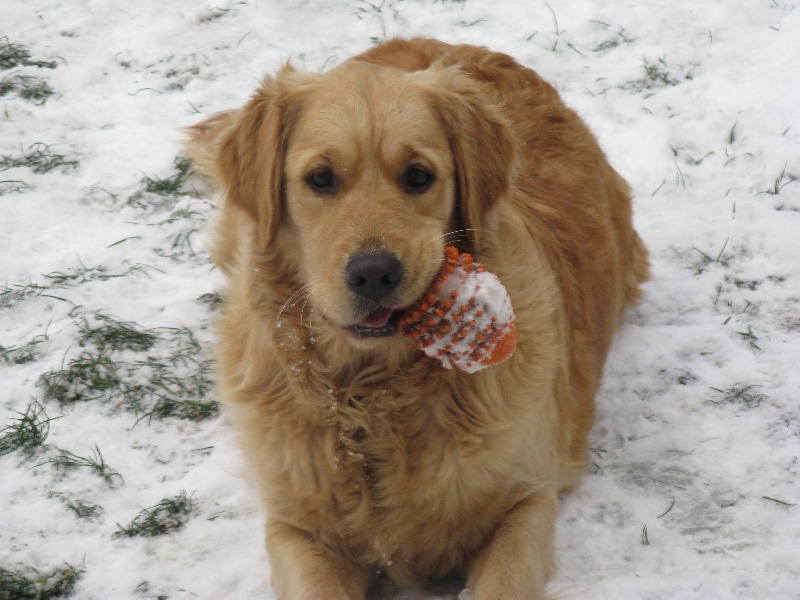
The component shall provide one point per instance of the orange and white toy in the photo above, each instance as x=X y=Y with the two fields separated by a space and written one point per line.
x=466 y=319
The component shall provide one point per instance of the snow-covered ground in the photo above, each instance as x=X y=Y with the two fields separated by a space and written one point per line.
x=106 y=296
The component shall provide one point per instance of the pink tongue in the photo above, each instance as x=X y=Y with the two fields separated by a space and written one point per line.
x=377 y=319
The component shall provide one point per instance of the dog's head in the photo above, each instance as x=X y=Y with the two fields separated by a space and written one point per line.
x=363 y=174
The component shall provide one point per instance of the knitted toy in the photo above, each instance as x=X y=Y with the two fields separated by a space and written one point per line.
x=465 y=319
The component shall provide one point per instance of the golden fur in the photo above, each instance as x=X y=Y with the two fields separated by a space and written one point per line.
x=369 y=456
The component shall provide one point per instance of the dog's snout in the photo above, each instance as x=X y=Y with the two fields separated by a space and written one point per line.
x=373 y=276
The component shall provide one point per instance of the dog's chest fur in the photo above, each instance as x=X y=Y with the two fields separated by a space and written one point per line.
x=408 y=485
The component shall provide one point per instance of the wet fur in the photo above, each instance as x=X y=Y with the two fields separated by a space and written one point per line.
x=370 y=457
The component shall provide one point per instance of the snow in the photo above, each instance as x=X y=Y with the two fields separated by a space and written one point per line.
x=706 y=142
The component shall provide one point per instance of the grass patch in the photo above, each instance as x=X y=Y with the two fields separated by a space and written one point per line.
x=744 y=284
x=780 y=182
x=212 y=299
x=181 y=242
x=88 y=377
x=189 y=409
x=620 y=39
x=84 y=274
x=83 y=510
x=656 y=75
x=171 y=186
x=110 y=334
x=740 y=394
x=374 y=9
x=13 y=186
x=31 y=583
x=707 y=259
x=165 y=517
x=181 y=77
x=749 y=337
x=20 y=355
x=12 y=295
x=69 y=461
x=693 y=161
x=9 y=296
x=27 y=87
x=16 y=55
x=39 y=158
x=174 y=382
x=177 y=385
x=27 y=433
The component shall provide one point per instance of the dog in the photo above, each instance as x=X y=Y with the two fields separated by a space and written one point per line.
x=340 y=191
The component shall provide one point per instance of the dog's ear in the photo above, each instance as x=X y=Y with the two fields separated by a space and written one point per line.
x=250 y=157
x=482 y=141
x=243 y=151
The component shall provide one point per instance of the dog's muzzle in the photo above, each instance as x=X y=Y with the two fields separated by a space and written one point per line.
x=373 y=277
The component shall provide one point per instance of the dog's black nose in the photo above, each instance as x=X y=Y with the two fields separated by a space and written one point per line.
x=373 y=276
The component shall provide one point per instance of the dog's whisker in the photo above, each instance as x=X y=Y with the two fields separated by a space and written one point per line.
x=316 y=323
x=303 y=291
x=321 y=324
x=447 y=238
x=303 y=311
x=295 y=289
x=291 y=300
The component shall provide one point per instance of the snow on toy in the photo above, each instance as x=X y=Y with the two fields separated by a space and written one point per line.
x=466 y=319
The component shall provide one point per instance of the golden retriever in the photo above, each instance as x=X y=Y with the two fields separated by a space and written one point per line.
x=370 y=457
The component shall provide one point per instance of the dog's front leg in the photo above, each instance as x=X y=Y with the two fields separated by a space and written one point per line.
x=304 y=569
x=517 y=560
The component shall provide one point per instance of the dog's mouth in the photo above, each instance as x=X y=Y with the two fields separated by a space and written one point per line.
x=377 y=324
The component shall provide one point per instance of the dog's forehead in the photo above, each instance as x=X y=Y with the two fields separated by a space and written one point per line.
x=359 y=104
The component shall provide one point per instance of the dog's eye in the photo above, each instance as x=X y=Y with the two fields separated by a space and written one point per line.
x=416 y=180
x=322 y=181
